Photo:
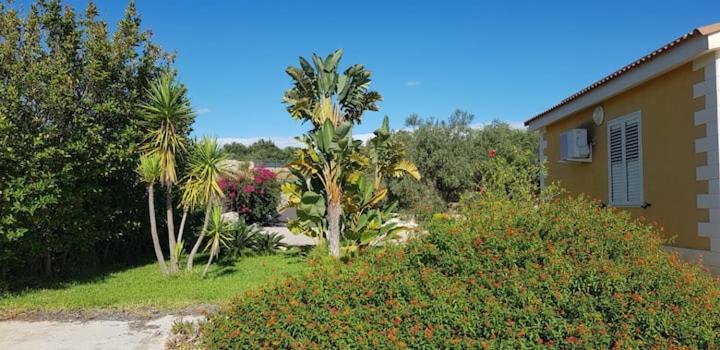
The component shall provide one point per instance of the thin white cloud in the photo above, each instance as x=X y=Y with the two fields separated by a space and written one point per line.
x=202 y=110
x=412 y=83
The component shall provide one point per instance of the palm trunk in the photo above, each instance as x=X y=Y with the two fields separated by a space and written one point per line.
x=197 y=245
x=170 y=227
x=207 y=266
x=182 y=225
x=333 y=236
x=153 y=230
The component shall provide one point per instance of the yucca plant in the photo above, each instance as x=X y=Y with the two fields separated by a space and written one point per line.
x=167 y=116
x=150 y=170
x=218 y=232
x=201 y=187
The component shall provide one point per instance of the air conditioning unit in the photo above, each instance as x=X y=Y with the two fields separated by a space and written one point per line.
x=574 y=146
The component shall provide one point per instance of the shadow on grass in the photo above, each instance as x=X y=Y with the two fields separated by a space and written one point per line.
x=93 y=274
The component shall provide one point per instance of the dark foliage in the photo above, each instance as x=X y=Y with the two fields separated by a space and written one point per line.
x=68 y=135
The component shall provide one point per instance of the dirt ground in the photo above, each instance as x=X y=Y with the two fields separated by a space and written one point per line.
x=92 y=330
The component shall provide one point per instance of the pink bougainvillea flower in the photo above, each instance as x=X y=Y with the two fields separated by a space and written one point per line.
x=249 y=188
x=223 y=183
x=232 y=194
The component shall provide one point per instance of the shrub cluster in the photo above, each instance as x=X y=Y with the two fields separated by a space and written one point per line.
x=560 y=274
x=248 y=240
x=255 y=195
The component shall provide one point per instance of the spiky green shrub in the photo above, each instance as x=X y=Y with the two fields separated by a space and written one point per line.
x=559 y=274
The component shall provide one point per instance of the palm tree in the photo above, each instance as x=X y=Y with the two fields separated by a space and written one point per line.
x=201 y=185
x=149 y=170
x=167 y=115
x=218 y=232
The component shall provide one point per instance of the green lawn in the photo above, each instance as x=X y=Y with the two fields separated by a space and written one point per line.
x=144 y=287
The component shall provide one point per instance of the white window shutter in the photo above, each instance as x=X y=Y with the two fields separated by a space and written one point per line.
x=618 y=178
x=625 y=161
x=632 y=161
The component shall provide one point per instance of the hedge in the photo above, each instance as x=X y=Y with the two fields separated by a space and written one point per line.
x=563 y=274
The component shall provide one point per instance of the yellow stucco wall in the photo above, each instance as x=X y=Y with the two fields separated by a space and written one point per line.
x=669 y=158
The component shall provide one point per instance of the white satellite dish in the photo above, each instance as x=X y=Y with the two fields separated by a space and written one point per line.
x=598 y=115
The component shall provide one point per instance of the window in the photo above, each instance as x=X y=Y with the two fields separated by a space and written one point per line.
x=625 y=161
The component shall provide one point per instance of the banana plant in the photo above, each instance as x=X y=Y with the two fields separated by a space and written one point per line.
x=332 y=194
x=316 y=83
x=320 y=169
x=388 y=156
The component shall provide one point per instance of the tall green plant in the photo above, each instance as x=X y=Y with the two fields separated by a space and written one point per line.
x=201 y=185
x=332 y=102
x=150 y=171
x=167 y=116
x=218 y=233
x=69 y=88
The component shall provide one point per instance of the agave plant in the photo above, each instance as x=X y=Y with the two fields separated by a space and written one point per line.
x=244 y=239
x=269 y=243
x=167 y=116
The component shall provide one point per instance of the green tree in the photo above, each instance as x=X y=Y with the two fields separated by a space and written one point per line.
x=150 y=171
x=69 y=194
x=332 y=102
x=167 y=117
x=452 y=154
x=201 y=186
x=261 y=150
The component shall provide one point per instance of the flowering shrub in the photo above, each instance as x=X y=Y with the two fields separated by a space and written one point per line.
x=503 y=274
x=255 y=194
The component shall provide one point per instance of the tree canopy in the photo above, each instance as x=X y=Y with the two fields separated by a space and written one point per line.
x=69 y=133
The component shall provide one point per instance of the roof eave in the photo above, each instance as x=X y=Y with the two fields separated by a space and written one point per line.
x=669 y=60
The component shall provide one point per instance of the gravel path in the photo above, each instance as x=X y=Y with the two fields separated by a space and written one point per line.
x=77 y=335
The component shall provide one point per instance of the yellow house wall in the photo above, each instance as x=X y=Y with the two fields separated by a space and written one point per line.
x=669 y=158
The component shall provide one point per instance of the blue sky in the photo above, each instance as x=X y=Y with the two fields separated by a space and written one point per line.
x=497 y=59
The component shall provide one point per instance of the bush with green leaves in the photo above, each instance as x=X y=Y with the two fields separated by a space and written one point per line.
x=558 y=273
x=243 y=241
x=69 y=129
x=268 y=243
x=450 y=156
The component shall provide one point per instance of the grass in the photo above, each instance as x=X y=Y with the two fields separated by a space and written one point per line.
x=144 y=287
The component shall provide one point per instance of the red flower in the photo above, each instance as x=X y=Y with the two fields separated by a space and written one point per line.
x=232 y=194
x=492 y=153
x=249 y=188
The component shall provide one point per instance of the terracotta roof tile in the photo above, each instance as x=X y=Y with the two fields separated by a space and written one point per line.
x=706 y=30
